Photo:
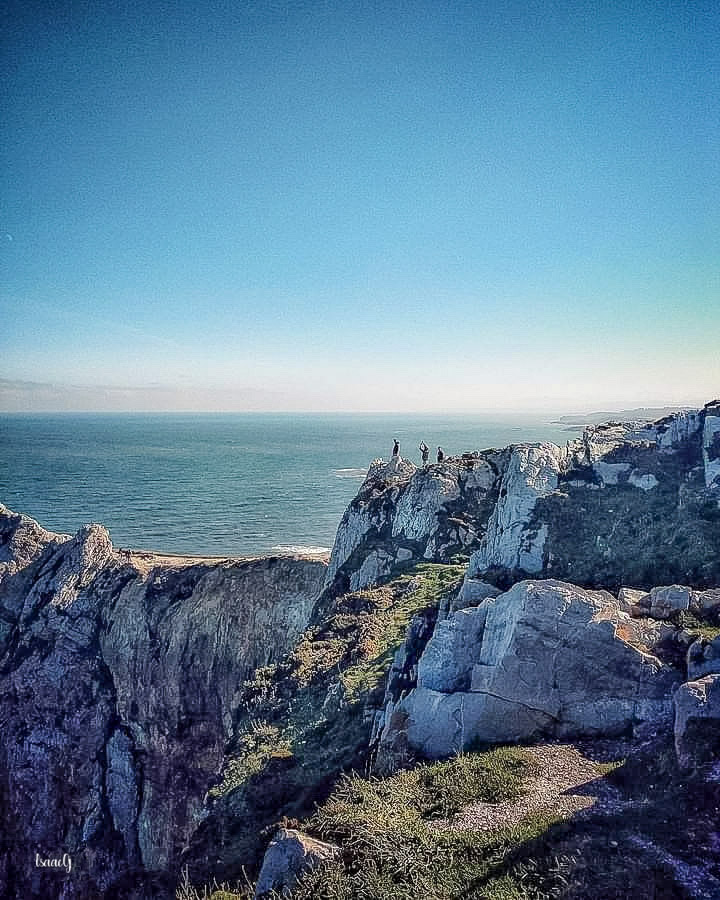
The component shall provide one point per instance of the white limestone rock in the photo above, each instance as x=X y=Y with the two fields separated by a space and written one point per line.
x=677 y=429
x=418 y=507
x=532 y=472
x=544 y=659
x=403 y=513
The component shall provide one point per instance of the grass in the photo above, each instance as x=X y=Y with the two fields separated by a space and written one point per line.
x=306 y=720
x=289 y=708
x=393 y=847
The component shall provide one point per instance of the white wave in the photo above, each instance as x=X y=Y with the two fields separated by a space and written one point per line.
x=349 y=473
x=299 y=548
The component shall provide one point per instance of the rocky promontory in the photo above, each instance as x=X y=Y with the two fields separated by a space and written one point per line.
x=163 y=716
x=625 y=504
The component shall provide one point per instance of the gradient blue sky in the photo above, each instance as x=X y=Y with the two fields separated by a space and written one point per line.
x=294 y=205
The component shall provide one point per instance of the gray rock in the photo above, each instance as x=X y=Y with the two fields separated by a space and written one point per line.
x=447 y=663
x=697 y=724
x=289 y=855
x=532 y=472
x=544 y=659
x=703 y=658
x=472 y=592
x=511 y=509
x=706 y=602
x=666 y=601
x=402 y=513
x=117 y=695
x=633 y=602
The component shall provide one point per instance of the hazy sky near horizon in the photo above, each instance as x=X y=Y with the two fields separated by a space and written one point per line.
x=360 y=206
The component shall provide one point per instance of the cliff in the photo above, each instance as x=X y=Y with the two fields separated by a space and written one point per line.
x=118 y=680
x=161 y=714
x=625 y=504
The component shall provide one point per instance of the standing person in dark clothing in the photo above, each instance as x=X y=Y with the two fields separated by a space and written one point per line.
x=396 y=447
x=441 y=454
x=425 y=450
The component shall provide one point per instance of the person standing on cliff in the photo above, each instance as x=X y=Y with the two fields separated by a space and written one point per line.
x=396 y=447
x=441 y=454
x=425 y=450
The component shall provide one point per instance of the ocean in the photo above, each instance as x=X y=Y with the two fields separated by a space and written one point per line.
x=220 y=484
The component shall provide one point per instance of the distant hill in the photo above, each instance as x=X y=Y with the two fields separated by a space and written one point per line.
x=642 y=414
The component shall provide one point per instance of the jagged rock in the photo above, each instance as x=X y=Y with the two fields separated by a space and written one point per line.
x=402 y=513
x=697 y=724
x=703 y=658
x=666 y=601
x=711 y=446
x=289 y=855
x=625 y=502
x=633 y=602
x=532 y=472
x=118 y=679
x=543 y=659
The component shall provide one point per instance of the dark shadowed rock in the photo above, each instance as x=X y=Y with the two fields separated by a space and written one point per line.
x=118 y=679
x=697 y=724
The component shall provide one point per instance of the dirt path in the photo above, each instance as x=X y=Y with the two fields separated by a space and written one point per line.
x=569 y=780
x=562 y=781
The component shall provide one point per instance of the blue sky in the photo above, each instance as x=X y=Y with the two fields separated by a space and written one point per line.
x=292 y=205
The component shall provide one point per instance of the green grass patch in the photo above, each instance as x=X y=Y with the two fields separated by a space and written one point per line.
x=394 y=847
x=307 y=719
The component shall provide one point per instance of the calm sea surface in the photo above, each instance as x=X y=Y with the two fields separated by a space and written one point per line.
x=230 y=484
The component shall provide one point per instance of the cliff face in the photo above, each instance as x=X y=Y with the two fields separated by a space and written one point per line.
x=118 y=682
x=129 y=682
x=624 y=504
x=402 y=513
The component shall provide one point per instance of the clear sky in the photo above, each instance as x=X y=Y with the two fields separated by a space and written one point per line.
x=352 y=205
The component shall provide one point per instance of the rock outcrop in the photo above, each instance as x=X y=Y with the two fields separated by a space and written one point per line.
x=543 y=660
x=289 y=855
x=697 y=726
x=625 y=504
x=402 y=513
x=118 y=678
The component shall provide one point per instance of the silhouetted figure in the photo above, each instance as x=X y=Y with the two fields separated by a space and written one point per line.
x=441 y=455
x=396 y=447
x=425 y=450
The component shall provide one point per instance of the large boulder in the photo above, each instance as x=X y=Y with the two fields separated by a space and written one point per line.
x=697 y=724
x=289 y=855
x=544 y=659
x=703 y=658
x=665 y=602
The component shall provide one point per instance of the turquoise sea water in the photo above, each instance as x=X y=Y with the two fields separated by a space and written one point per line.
x=218 y=484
